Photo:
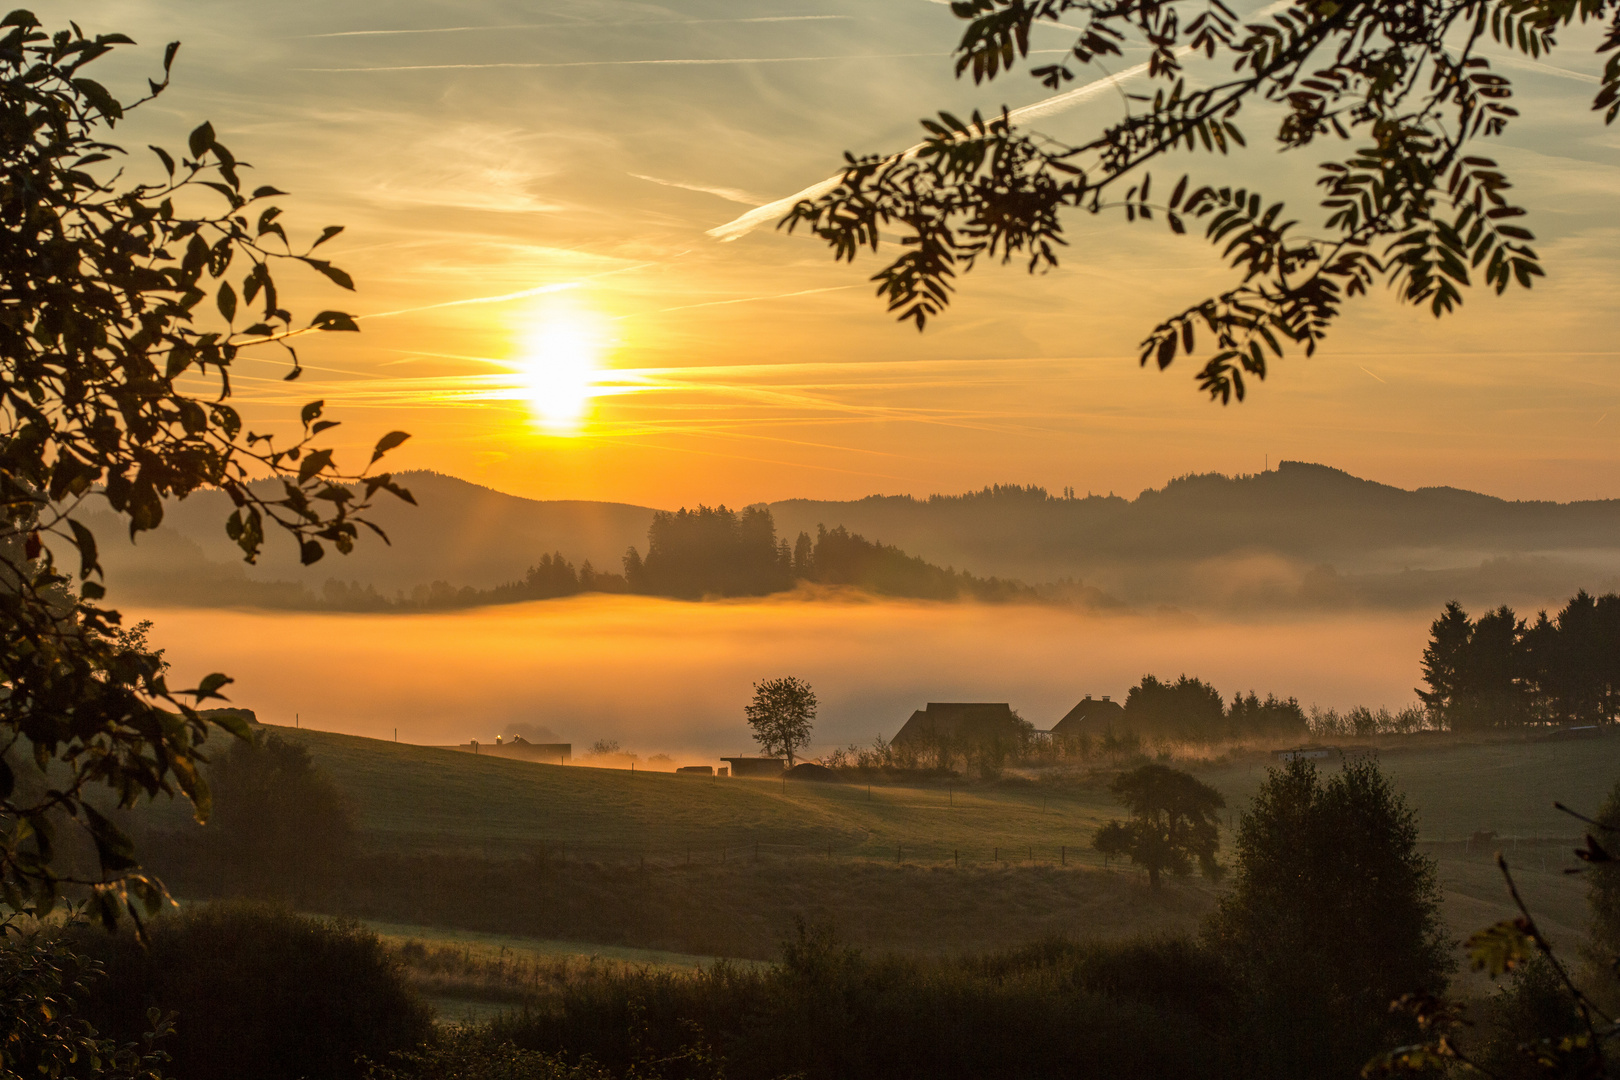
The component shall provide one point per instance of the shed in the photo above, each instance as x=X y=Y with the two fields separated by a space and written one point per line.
x=756 y=766
x=1092 y=716
x=696 y=770
x=960 y=723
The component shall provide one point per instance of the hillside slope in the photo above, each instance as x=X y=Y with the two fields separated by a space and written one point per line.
x=1298 y=536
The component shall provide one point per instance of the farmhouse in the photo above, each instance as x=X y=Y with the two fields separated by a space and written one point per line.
x=1093 y=716
x=960 y=723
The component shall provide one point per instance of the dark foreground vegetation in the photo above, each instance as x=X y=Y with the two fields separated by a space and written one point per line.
x=1291 y=977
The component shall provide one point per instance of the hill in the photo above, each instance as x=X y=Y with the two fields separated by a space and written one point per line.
x=721 y=866
x=459 y=532
x=1299 y=536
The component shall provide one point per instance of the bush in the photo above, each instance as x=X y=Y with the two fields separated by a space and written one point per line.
x=261 y=993
x=471 y=1053
x=826 y=1012
x=1332 y=916
x=280 y=826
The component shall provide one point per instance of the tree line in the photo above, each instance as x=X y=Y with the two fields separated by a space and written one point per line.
x=716 y=551
x=1501 y=671
x=709 y=551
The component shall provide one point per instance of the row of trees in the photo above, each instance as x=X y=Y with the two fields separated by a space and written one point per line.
x=1191 y=710
x=710 y=551
x=1500 y=671
x=716 y=551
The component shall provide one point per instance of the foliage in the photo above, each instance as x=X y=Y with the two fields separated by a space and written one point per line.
x=1497 y=671
x=41 y=1031
x=781 y=715
x=280 y=827
x=1410 y=202
x=695 y=553
x=1185 y=709
x=840 y=557
x=1603 y=897
x=117 y=349
x=1141 y=1008
x=261 y=993
x=1172 y=822
x=691 y=553
x=1543 y=1023
x=471 y=1053
x=1332 y=914
x=1191 y=710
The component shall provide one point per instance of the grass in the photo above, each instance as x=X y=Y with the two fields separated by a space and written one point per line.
x=707 y=866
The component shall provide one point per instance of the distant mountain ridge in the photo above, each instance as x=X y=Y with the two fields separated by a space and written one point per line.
x=1298 y=535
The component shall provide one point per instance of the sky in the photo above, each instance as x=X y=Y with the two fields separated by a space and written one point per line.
x=530 y=193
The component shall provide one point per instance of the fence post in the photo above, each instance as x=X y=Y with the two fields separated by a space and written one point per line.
x=1063 y=855
x=956 y=858
x=897 y=850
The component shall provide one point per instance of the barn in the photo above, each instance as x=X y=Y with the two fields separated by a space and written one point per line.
x=960 y=723
x=1092 y=716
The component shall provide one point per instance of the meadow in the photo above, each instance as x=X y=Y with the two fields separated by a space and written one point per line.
x=709 y=866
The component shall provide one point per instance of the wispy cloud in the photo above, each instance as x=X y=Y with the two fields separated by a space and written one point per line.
x=771 y=211
x=683 y=62
x=577 y=25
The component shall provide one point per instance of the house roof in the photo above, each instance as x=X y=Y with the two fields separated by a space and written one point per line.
x=1092 y=716
x=959 y=721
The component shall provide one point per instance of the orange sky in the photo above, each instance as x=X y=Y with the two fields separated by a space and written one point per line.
x=578 y=153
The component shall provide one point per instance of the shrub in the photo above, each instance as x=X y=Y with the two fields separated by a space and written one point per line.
x=1332 y=916
x=261 y=994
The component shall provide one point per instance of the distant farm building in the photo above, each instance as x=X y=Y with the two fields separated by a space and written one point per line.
x=1093 y=716
x=522 y=749
x=960 y=723
x=756 y=766
x=1306 y=753
x=696 y=770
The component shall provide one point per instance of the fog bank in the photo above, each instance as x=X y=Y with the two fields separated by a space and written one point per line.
x=668 y=676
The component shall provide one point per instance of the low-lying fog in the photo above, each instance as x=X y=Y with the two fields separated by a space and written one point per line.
x=673 y=677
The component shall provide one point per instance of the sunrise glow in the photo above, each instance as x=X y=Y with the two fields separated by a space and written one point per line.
x=557 y=366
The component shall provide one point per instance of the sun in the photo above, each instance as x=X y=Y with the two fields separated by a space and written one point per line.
x=557 y=368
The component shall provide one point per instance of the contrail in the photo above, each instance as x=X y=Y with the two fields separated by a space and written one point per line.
x=539 y=290
x=729 y=194
x=747 y=223
x=575 y=25
x=724 y=60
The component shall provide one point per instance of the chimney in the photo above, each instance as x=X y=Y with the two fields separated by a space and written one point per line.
x=1105 y=697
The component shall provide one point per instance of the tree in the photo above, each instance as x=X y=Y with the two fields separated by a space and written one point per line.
x=1445 y=660
x=1185 y=709
x=1333 y=914
x=1408 y=199
x=780 y=715
x=284 y=828
x=123 y=319
x=1172 y=822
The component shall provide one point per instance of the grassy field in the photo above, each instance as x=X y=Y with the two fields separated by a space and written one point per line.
x=710 y=866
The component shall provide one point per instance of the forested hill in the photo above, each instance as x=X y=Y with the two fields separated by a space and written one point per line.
x=1297 y=509
x=1298 y=535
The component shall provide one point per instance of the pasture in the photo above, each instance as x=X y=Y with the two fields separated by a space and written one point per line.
x=706 y=866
